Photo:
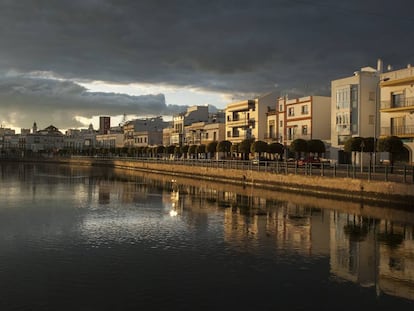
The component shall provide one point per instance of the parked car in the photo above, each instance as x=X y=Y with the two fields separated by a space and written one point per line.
x=314 y=161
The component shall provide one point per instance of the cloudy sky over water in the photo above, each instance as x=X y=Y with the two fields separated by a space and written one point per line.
x=64 y=62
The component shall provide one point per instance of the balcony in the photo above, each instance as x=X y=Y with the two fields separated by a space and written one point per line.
x=400 y=104
x=400 y=131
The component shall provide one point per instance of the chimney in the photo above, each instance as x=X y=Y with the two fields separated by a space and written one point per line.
x=380 y=67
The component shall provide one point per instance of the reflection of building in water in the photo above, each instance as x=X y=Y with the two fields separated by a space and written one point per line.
x=352 y=248
x=396 y=260
x=301 y=229
x=104 y=196
x=373 y=253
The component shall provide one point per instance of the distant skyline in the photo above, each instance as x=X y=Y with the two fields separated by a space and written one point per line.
x=67 y=62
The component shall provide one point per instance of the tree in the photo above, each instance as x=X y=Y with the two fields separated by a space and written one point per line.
x=276 y=148
x=224 y=146
x=170 y=149
x=316 y=146
x=354 y=144
x=259 y=147
x=211 y=148
x=392 y=145
x=298 y=146
x=201 y=149
x=234 y=149
x=244 y=148
x=184 y=150
x=177 y=151
x=192 y=150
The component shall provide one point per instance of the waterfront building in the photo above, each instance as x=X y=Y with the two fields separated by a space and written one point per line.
x=144 y=132
x=167 y=134
x=305 y=117
x=78 y=140
x=110 y=140
x=247 y=119
x=353 y=109
x=180 y=121
x=397 y=109
x=49 y=140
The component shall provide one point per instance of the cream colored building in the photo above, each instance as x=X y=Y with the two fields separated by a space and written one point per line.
x=305 y=117
x=111 y=140
x=397 y=108
x=247 y=119
x=353 y=110
x=204 y=133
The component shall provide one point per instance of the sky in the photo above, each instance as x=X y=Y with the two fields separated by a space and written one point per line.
x=67 y=62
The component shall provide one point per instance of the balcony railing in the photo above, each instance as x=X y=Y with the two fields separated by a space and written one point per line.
x=402 y=103
x=397 y=131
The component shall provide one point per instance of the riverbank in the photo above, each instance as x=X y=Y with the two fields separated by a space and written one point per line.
x=337 y=188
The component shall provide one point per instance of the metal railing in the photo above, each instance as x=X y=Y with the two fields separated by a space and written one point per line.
x=395 y=173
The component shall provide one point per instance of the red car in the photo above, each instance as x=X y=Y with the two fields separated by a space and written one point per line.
x=311 y=160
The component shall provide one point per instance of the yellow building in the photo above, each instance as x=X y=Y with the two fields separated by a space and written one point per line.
x=247 y=119
x=397 y=108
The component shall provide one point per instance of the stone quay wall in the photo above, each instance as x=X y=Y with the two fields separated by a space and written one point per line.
x=323 y=186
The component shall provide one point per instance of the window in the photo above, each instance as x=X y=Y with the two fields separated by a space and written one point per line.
x=280 y=107
x=291 y=111
x=281 y=123
x=304 y=130
x=397 y=100
x=305 y=109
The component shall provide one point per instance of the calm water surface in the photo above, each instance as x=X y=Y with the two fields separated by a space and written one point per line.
x=94 y=239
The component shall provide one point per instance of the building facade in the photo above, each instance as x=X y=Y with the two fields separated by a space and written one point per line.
x=305 y=118
x=104 y=124
x=397 y=108
x=247 y=119
x=353 y=110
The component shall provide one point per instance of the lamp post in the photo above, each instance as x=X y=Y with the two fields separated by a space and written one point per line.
x=377 y=104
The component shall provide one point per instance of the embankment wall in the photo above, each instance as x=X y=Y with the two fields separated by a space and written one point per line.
x=345 y=188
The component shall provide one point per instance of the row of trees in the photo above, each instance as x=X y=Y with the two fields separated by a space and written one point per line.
x=248 y=147
x=390 y=144
x=242 y=150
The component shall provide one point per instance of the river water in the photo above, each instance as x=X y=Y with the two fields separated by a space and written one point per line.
x=74 y=238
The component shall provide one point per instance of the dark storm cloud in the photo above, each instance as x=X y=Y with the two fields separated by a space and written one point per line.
x=24 y=100
x=234 y=47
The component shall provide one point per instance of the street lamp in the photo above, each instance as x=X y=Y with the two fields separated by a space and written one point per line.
x=377 y=103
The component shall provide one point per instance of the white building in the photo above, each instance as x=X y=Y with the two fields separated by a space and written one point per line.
x=353 y=110
x=305 y=117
